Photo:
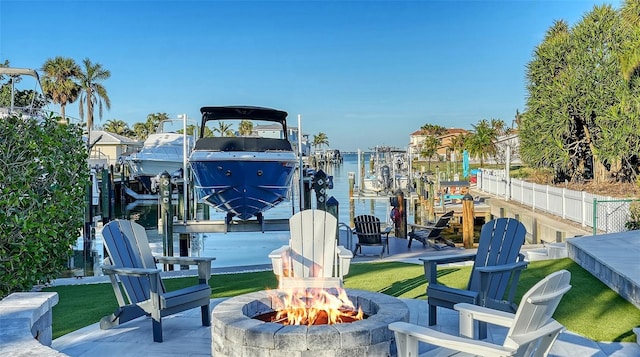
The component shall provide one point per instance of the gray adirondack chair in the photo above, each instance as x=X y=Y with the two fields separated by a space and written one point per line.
x=369 y=232
x=532 y=330
x=497 y=266
x=313 y=258
x=431 y=234
x=131 y=267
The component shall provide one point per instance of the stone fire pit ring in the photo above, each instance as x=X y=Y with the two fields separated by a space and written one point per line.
x=236 y=333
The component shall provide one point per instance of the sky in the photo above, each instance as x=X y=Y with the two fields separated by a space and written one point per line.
x=365 y=73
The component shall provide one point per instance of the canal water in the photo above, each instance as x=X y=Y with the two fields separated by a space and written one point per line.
x=239 y=249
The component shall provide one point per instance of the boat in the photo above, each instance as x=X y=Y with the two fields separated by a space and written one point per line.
x=34 y=103
x=162 y=151
x=243 y=175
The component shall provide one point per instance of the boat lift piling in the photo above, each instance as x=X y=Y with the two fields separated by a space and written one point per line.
x=166 y=216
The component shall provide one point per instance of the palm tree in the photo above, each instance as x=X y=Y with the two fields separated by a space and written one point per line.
x=58 y=83
x=245 y=127
x=92 y=92
x=320 y=140
x=456 y=145
x=223 y=129
x=429 y=149
x=481 y=143
x=117 y=126
x=141 y=131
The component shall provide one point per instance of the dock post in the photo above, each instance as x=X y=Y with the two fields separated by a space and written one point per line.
x=166 y=215
x=467 y=221
x=320 y=186
x=332 y=207
x=306 y=180
x=104 y=196
x=112 y=193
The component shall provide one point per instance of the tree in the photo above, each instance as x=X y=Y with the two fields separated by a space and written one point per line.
x=435 y=130
x=21 y=98
x=429 y=149
x=58 y=81
x=154 y=120
x=223 y=129
x=245 y=128
x=117 y=126
x=481 y=143
x=92 y=92
x=320 y=140
x=456 y=145
x=44 y=175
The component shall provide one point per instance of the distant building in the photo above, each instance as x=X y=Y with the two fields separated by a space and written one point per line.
x=109 y=147
x=275 y=131
x=417 y=138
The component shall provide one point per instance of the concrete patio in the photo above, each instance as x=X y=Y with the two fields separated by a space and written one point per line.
x=185 y=336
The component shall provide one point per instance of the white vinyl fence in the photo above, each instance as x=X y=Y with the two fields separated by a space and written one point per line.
x=602 y=213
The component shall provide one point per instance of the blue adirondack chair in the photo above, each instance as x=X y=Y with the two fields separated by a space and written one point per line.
x=497 y=266
x=131 y=267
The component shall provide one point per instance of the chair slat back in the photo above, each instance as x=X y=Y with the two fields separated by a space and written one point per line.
x=440 y=225
x=128 y=247
x=366 y=228
x=537 y=307
x=500 y=242
x=313 y=244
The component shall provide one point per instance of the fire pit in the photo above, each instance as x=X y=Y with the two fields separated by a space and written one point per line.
x=237 y=328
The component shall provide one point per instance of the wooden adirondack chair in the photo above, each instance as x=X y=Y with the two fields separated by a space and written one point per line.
x=532 y=330
x=131 y=264
x=431 y=234
x=312 y=259
x=369 y=233
x=497 y=265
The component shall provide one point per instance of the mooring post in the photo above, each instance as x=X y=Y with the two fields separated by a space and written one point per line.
x=112 y=193
x=166 y=215
x=104 y=195
x=306 y=191
x=332 y=207
x=467 y=221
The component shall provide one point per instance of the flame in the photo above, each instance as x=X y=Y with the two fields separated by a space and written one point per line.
x=313 y=307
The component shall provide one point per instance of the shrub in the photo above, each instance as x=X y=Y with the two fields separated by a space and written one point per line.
x=42 y=187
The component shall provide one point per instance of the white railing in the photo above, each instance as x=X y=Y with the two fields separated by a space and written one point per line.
x=610 y=214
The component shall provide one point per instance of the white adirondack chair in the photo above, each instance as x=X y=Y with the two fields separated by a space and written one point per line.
x=532 y=330
x=312 y=259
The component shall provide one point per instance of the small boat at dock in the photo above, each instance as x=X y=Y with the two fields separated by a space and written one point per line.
x=243 y=175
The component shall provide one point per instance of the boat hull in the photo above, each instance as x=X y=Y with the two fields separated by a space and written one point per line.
x=243 y=184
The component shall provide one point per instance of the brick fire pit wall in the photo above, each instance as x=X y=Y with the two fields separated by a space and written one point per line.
x=236 y=333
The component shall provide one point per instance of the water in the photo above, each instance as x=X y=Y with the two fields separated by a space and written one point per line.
x=245 y=249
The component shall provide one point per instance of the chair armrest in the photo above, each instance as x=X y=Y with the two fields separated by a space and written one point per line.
x=344 y=257
x=203 y=263
x=431 y=264
x=184 y=260
x=387 y=230
x=445 y=259
x=419 y=226
x=502 y=268
x=344 y=253
x=277 y=257
x=485 y=314
x=137 y=272
x=408 y=335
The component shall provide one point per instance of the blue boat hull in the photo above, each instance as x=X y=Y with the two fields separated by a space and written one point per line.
x=244 y=188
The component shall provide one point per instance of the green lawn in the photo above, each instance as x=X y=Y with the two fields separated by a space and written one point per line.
x=588 y=301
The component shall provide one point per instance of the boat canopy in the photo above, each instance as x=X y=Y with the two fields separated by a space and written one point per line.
x=243 y=112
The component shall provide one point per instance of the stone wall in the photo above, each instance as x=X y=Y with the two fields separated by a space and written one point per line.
x=26 y=320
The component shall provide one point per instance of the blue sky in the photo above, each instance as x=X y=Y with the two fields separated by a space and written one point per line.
x=365 y=73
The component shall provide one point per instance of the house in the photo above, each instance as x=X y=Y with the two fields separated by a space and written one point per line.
x=109 y=147
x=417 y=138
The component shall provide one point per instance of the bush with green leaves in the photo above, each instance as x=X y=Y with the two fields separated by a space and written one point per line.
x=43 y=177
